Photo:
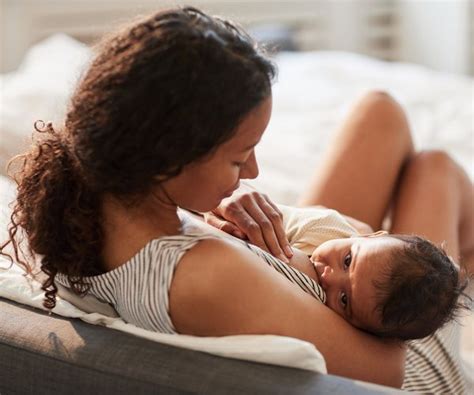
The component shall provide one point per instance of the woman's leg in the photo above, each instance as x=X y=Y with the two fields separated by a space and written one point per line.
x=359 y=172
x=435 y=200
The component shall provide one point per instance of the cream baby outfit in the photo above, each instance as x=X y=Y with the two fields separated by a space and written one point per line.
x=308 y=227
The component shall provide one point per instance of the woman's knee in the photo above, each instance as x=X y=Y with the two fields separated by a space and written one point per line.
x=385 y=117
x=378 y=95
x=436 y=169
x=436 y=162
x=381 y=101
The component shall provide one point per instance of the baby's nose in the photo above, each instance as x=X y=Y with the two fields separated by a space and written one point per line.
x=326 y=277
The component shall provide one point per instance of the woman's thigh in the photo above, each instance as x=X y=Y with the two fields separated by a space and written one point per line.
x=359 y=171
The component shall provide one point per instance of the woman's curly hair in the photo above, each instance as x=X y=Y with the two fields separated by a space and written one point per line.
x=160 y=93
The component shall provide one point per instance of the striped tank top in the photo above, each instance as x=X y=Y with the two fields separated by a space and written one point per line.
x=139 y=292
x=139 y=289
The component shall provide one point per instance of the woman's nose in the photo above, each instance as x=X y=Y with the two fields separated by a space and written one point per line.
x=250 y=169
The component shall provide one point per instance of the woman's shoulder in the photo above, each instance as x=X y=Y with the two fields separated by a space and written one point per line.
x=165 y=250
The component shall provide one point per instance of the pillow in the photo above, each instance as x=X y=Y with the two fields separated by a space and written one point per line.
x=39 y=89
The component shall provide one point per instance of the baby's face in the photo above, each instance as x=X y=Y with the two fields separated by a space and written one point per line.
x=346 y=270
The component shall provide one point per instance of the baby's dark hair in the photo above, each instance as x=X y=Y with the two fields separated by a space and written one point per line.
x=420 y=292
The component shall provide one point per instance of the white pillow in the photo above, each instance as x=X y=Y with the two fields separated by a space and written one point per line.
x=7 y=195
x=39 y=89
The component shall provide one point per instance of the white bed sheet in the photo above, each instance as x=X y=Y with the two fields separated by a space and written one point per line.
x=312 y=94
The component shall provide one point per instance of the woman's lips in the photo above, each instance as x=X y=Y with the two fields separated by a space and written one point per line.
x=230 y=192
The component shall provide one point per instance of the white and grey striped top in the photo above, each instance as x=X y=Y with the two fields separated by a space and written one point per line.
x=138 y=290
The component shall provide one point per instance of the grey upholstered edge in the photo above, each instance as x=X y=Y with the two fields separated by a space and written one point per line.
x=41 y=354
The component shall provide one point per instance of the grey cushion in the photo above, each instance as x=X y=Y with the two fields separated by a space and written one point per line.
x=41 y=354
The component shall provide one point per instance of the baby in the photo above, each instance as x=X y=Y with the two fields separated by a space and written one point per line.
x=394 y=286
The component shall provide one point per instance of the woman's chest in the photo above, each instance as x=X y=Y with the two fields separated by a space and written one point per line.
x=193 y=224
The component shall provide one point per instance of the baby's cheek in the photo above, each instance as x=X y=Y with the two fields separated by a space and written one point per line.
x=360 y=322
x=336 y=310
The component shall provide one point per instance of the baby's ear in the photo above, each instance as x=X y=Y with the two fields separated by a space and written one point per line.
x=374 y=234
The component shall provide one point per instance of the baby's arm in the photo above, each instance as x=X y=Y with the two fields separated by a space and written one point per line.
x=308 y=227
x=359 y=226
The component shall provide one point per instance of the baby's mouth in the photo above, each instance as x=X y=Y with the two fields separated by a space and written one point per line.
x=318 y=268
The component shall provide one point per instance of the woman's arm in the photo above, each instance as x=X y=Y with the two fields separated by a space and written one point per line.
x=224 y=289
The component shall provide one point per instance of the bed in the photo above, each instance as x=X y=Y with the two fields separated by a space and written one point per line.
x=313 y=92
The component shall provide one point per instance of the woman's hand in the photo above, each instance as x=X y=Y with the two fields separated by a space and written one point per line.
x=249 y=214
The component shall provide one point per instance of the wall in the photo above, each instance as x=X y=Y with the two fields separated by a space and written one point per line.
x=436 y=33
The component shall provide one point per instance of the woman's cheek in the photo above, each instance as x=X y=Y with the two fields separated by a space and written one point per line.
x=234 y=175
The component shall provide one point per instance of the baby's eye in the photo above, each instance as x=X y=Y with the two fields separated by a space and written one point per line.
x=344 y=300
x=347 y=260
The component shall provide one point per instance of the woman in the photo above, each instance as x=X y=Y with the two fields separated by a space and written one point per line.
x=167 y=116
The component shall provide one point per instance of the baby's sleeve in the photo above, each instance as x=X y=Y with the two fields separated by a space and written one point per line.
x=308 y=227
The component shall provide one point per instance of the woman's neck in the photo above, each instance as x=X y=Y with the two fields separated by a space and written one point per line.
x=128 y=229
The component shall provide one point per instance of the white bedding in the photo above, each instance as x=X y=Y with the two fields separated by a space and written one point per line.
x=274 y=350
x=311 y=96
x=313 y=92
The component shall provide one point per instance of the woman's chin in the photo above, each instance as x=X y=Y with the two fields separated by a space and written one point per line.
x=208 y=206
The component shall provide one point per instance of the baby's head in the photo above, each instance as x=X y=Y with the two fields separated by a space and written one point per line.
x=394 y=286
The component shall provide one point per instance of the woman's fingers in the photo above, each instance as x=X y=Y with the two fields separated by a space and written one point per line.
x=223 y=225
x=276 y=217
x=251 y=228
x=261 y=223
x=281 y=234
x=256 y=216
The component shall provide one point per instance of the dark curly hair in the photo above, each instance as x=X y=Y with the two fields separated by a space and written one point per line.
x=160 y=93
x=421 y=290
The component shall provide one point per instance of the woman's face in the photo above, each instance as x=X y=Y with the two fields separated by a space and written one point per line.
x=202 y=185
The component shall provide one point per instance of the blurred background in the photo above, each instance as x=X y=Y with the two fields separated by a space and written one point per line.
x=433 y=33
